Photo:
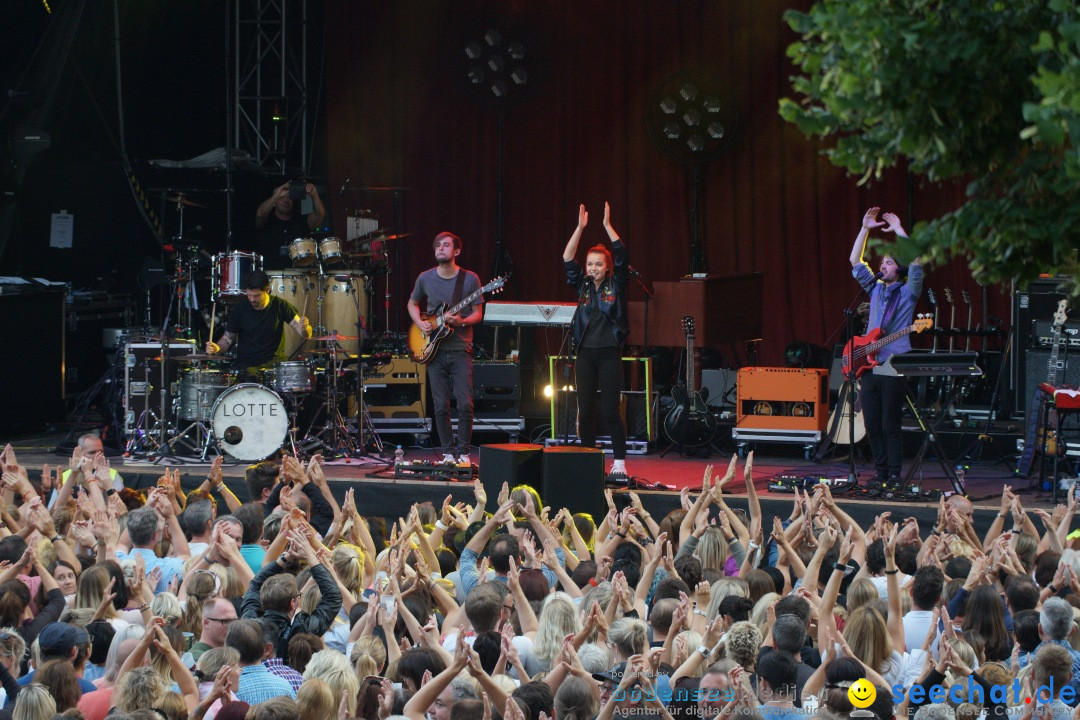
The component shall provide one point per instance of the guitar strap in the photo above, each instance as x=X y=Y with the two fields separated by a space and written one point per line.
x=458 y=287
x=890 y=306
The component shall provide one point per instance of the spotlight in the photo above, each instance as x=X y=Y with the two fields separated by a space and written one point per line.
x=499 y=88
x=672 y=130
x=715 y=130
x=496 y=63
x=516 y=50
x=695 y=143
x=493 y=37
x=548 y=390
x=688 y=92
x=691 y=117
x=473 y=51
x=711 y=104
x=476 y=75
x=519 y=76
x=668 y=106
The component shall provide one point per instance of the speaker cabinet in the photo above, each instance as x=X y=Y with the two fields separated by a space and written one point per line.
x=783 y=398
x=394 y=390
x=1036 y=369
x=32 y=380
x=574 y=478
x=721 y=386
x=1037 y=302
x=497 y=390
x=513 y=463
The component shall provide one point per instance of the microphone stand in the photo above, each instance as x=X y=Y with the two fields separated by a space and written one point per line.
x=853 y=475
x=568 y=368
x=648 y=296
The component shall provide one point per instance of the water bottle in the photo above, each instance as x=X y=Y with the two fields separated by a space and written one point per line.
x=399 y=456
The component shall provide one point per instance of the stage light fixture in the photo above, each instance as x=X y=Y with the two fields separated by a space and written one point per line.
x=548 y=390
x=691 y=118
x=498 y=67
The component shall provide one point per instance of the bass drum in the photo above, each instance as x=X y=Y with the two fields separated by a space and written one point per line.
x=339 y=309
x=250 y=422
x=298 y=288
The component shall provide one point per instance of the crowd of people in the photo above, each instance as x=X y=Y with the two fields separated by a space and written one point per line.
x=163 y=605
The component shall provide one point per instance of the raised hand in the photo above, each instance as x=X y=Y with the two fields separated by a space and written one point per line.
x=870 y=220
x=583 y=217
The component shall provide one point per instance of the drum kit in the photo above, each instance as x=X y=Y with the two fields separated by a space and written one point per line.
x=220 y=410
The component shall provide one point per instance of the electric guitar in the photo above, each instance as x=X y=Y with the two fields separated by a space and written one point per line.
x=1045 y=441
x=862 y=351
x=423 y=346
x=689 y=423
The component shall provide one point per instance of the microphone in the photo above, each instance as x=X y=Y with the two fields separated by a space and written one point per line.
x=633 y=271
x=343 y=186
x=878 y=275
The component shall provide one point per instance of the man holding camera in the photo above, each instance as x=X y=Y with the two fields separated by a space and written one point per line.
x=279 y=221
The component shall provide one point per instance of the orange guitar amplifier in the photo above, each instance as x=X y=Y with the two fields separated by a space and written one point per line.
x=782 y=398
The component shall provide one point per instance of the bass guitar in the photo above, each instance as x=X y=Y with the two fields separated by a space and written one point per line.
x=690 y=423
x=861 y=352
x=423 y=346
x=1038 y=439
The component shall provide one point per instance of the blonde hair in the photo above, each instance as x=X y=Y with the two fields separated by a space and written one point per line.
x=333 y=668
x=173 y=705
x=862 y=592
x=11 y=644
x=368 y=656
x=868 y=635
x=558 y=618
x=91 y=589
x=760 y=613
x=34 y=703
x=348 y=562
x=742 y=643
x=214 y=659
x=682 y=645
x=310 y=598
x=712 y=549
x=141 y=687
x=721 y=589
x=630 y=636
x=315 y=700
x=166 y=606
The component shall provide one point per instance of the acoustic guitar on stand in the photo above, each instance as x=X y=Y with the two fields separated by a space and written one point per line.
x=861 y=352
x=423 y=346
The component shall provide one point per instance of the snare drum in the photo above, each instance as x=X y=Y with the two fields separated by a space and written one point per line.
x=330 y=249
x=199 y=388
x=302 y=252
x=250 y=422
x=290 y=376
x=230 y=269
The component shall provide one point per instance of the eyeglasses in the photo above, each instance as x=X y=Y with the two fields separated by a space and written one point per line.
x=223 y=621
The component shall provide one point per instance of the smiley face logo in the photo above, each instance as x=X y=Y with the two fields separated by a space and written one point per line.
x=862 y=693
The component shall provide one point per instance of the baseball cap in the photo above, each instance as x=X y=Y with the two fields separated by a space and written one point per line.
x=613 y=675
x=59 y=638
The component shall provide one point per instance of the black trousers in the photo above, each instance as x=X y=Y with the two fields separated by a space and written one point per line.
x=882 y=403
x=600 y=369
x=450 y=375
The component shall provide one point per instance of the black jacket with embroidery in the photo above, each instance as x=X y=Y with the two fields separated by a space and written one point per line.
x=610 y=299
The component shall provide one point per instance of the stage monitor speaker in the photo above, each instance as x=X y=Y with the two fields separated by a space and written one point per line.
x=1036 y=302
x=574 y=479
x=512 y=463
x=1036 y=369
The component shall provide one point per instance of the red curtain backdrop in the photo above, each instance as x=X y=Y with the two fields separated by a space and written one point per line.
x=400 y=115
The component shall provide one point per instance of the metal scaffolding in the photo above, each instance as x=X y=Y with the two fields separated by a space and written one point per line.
x=270 y=83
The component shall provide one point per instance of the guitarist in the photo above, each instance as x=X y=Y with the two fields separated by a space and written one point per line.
x=451 y=370
x=894 y=291
x=601 y=325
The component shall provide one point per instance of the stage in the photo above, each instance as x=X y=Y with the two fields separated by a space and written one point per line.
x=379 y=493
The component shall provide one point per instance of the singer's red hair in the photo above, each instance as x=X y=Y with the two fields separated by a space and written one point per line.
x=602 y=250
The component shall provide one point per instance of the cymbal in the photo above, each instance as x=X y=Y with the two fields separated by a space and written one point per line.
x=334 y=338
x=181 y=199
x=341 y=355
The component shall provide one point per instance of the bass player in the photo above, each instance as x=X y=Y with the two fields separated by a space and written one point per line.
x=894 y=291
x=450 y=372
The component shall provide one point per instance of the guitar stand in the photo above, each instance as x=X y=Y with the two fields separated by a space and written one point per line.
x=930 y=441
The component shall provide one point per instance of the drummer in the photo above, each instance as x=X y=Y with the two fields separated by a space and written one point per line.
x=279 y=220
x=256 y=327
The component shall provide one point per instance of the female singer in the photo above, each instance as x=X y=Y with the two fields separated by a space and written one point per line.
x=600 y=327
